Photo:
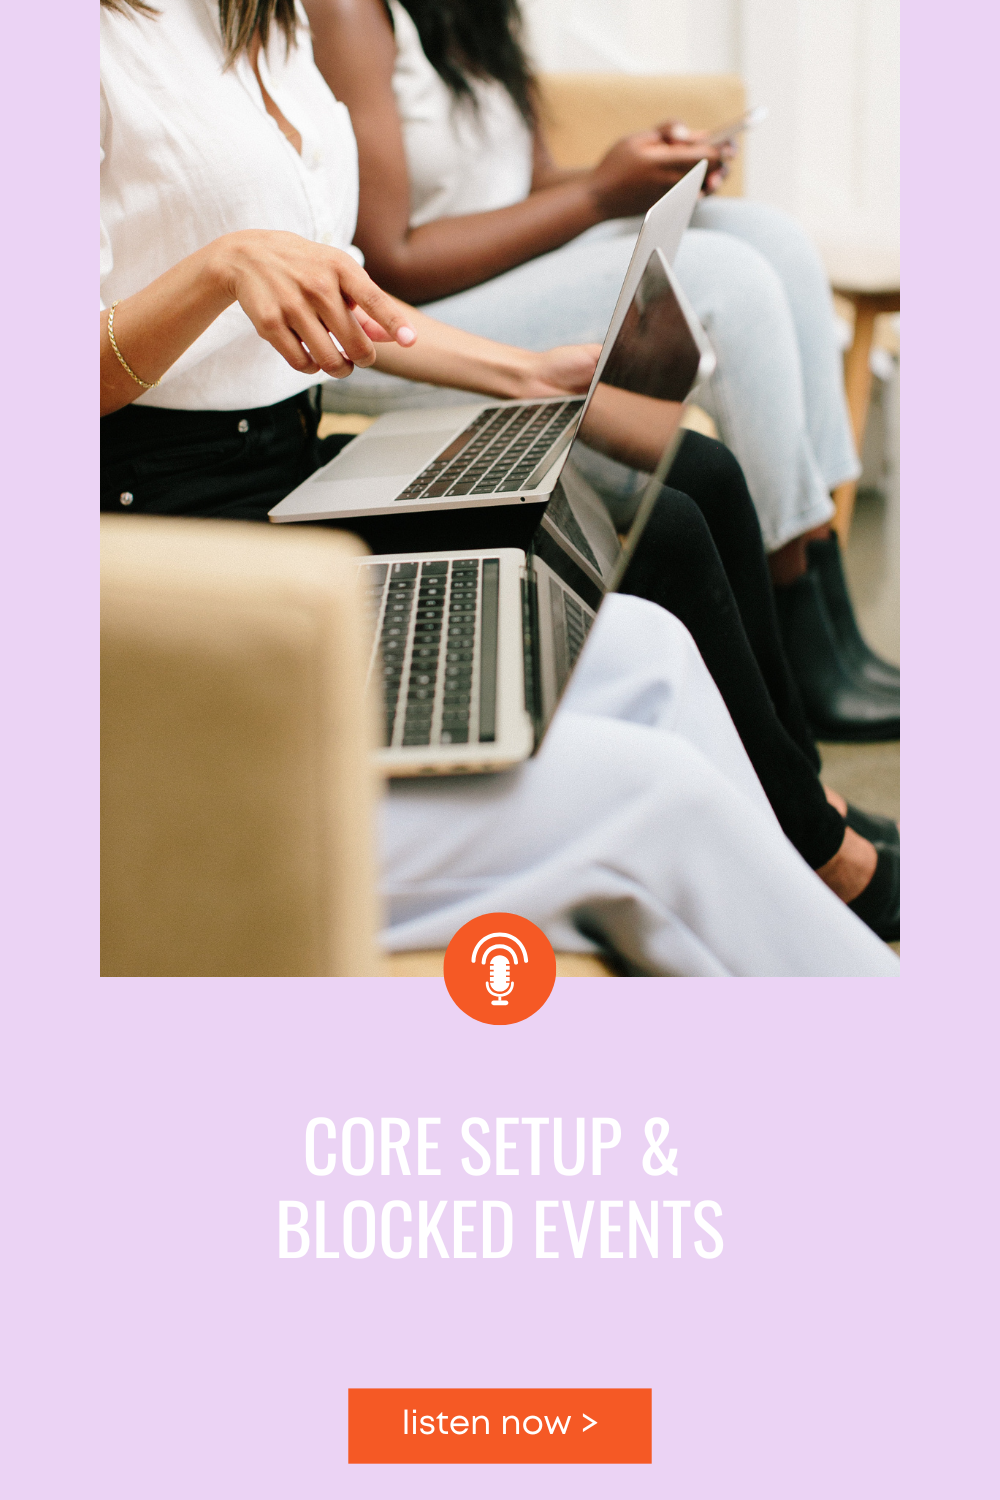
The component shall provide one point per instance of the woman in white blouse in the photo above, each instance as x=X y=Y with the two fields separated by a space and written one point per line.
x=228 y=187
x=226 y=255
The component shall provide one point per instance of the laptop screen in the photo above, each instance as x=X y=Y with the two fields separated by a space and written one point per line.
x=619 y=458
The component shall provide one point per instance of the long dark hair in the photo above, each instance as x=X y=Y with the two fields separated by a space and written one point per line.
x=240 y=20
x=481 y=38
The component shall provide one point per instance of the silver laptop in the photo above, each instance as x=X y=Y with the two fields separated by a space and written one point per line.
x=474 y=648
x=481 y=452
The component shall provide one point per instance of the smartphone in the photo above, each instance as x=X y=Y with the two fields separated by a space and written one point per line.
x=736 y=127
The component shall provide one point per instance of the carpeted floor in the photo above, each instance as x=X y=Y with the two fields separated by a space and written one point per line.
x=867 y=775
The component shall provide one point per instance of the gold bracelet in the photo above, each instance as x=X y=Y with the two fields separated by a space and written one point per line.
x=147 y=385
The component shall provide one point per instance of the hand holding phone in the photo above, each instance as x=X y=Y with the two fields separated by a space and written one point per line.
x=729 y=132
x=721 y=141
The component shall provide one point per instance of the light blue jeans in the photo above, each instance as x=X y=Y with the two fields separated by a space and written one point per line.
x=759 y=288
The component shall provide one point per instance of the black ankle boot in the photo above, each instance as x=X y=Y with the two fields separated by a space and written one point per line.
x=873 y=827
x=839 y=703
x=826 y=561
x=878 y=904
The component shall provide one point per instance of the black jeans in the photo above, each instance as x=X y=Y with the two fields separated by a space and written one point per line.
x=701 y=557
x=230 y=464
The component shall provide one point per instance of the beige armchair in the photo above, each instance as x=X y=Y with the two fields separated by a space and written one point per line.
x=237 y=790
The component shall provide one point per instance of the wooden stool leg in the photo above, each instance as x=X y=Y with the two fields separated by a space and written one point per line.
x=858 y=385
x=844 y=497
x=857 y=366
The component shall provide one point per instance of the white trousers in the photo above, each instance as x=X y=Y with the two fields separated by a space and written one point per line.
x=640 y=825
x=758 y=286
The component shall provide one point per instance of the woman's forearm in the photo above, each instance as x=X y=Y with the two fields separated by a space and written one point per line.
x=447 y=356
x=452 y=254
x=450 y=357
x=154 y=327
x=296 y=293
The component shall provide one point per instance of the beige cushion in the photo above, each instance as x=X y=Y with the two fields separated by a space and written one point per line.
x=696 y=419
x=869 y=269
x=585 y=113
x=237 y=792
x=347 y=422
x=430 y=965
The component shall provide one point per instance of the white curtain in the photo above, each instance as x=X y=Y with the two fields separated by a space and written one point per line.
x=828 y=70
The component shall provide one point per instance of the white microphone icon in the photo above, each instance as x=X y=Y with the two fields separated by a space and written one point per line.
x=499 y=955
x=499 y=982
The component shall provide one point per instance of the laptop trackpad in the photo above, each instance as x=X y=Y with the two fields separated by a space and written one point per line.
x=381 y=457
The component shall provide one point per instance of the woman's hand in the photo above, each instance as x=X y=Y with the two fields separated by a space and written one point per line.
x=301 y=296
x=556 y=372
x=641 y=168
x=675 y=132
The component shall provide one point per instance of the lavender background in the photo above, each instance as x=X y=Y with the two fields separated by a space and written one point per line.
x=201 y=1365
x=845 y=1341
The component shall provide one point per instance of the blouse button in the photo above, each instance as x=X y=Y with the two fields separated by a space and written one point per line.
x=126 y=497
x=243 y=425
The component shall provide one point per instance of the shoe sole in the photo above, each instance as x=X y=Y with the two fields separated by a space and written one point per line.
x=876 y=735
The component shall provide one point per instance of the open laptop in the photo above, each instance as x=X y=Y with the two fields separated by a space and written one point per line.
x=475 y=647
x=482 y=452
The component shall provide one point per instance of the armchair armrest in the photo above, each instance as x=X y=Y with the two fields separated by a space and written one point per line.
x=237 y=786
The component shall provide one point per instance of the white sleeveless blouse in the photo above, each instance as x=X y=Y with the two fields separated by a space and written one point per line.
x=460 y=160
x=189 y=153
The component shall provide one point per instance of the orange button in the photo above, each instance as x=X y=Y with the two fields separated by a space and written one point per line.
x=499 y=968
x=463 y=1426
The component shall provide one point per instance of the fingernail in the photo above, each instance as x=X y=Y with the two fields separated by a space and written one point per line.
x=405 y=336
x=680 y=133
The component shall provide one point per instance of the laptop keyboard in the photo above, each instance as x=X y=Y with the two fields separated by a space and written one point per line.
x=570 y=627
x=435 y=633
x=498 y=452
x=578 y=623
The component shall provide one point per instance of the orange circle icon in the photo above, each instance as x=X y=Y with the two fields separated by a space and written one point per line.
x=499 y=968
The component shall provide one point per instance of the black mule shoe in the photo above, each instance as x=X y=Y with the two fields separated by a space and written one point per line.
x=878 y=904
x=826 y=561
x=839 y=704
x=873 y=827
